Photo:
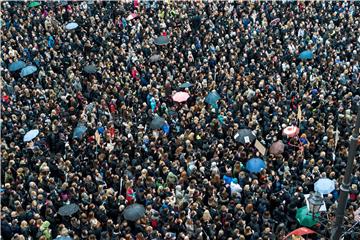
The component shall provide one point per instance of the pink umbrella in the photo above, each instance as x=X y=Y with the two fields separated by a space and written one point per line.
x=132 y=16
x=180 y=96
x=277 y=147
x=291 y=131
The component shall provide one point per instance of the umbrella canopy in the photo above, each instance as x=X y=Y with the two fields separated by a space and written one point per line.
x=212 y=97
x=30 y=135
x=157 y=123
x=162 y=40
x=79 y=131
x=324 y=185
x=180 y=97
x=17 y=66
x=277 y=148
x=357 y=215
x=304 y=217
x=275 y=21
x=132 y=16
x=245 y=136
x=291 y=131
x=300 y=232
x=68 y=210
x=63 y=238
x=71 y=26
x=255 y=165
x=306 y=55
x=26 y=71
x=90 y=69
x=155 y=58
x=186 y=85
x=134 y=212
x=34 y=4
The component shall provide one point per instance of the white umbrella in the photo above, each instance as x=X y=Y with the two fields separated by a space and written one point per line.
x=30 y=135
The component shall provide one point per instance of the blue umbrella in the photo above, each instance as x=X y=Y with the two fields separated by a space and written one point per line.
x=324 y=185
x=162 y=40
x=79 y=131
x=255 y=165
x=212 y=97
x=306 y=55
x=17 y=66
x=63 y=238
x=30 y=135
x=71 y=26
x=26 y=71
x=186 y=85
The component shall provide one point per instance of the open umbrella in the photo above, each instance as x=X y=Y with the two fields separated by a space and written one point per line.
x=71 y=26
x=324 y=185
x=90 y=69
x=134 y=212
x=34 y=4
x=275 y=21
x=17 y=66
x=162 y=40
x=68 y=209
x=357 y=215
x=291 y=131
x=212 y=97
x=306 y=55
x=245 y=136
x=79 y=131
x=255 y=165
x=30 y=135
x=63 y=238
x=155 y=58
x=300 y=232
x=157 y=123
x=180 y=97
x=304 y=217
x=186 y=85
x=26 y=71
x=132 y=16
x=277 y=148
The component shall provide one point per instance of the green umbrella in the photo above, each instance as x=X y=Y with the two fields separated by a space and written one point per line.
x=305 y=218
x=34 y=4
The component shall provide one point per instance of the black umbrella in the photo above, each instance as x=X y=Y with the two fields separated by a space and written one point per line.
x=157 y=123
x=90 y=69
x=134 y=212
x=69 y=209
x=245 y=136
x=162 y=40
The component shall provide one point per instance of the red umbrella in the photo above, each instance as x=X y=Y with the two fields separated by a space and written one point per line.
x=300 y=232
x=277 y=148
x=180 y=96
x=291 y=131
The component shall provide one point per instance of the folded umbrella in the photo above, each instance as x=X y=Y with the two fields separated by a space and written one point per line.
x=90 y=69
x=68 y=209
x=26 y=71
x=255 y=165
x=245 y=136
x=30 y=135
x=300 y=232
x=134 y=212
x=71 y=26
x=157 y=123
x=306 y=55
x=17 y=66
x=305 y=218
x=324 y=185
x=291 y=131
x=162 y=40
x=79 y=131
x=212 y=97
x=277 y=148
x=186 y=85
x=180 y=97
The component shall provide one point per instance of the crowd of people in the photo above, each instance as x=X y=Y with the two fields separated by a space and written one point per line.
x=191 y=175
